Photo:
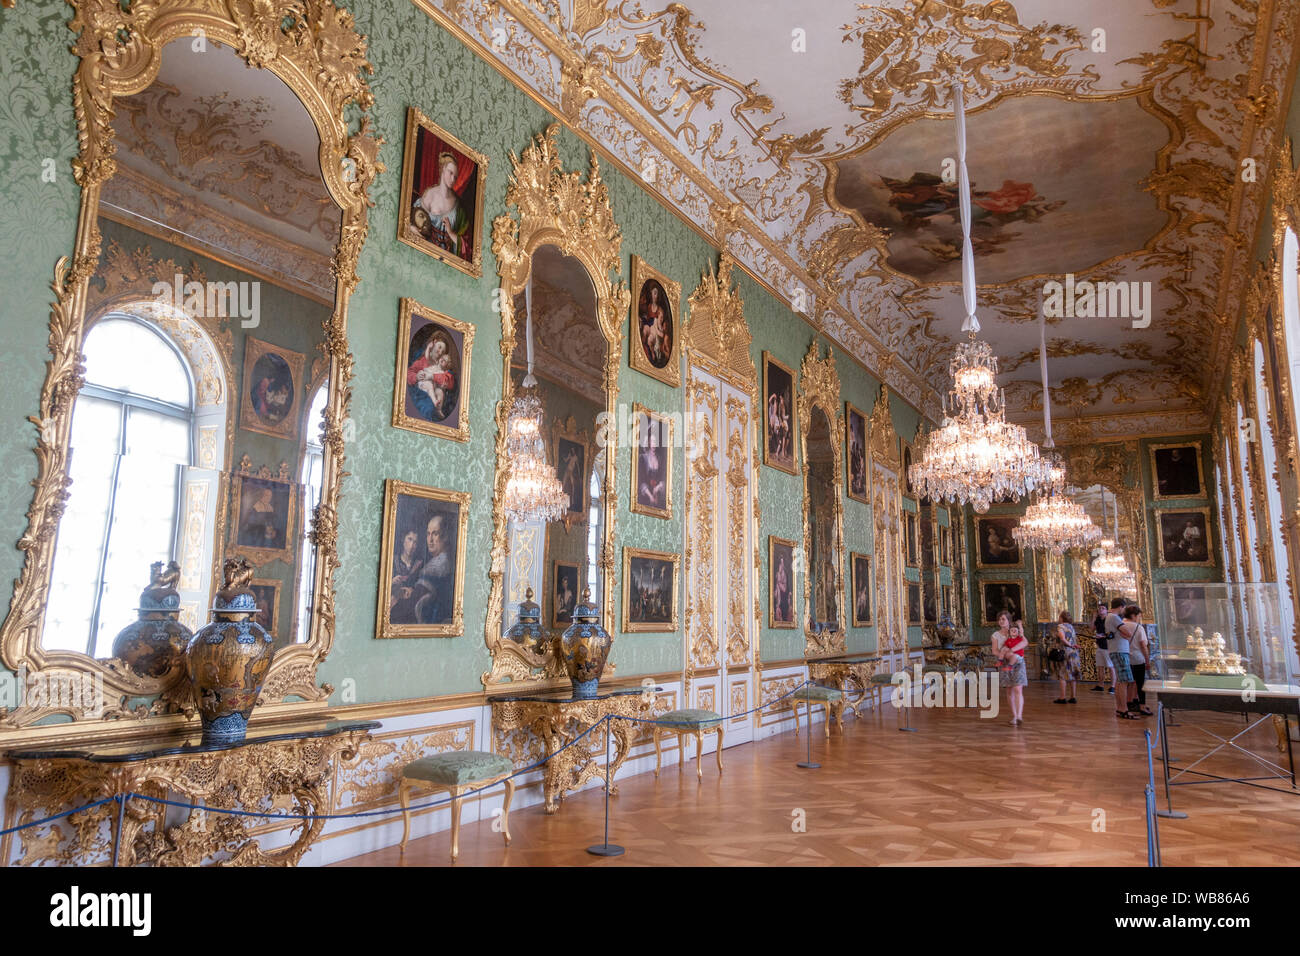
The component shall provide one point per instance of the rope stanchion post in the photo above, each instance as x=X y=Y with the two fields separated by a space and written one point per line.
x=607 y=848
x=1170 y=813
x=1153 y=829
x=807 y=763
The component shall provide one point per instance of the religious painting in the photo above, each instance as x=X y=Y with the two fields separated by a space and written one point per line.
x=1002 y=596
x=995 y=545
x=572 y=457
x=652 y=343
x=1033 y=207
x=422 y=561
x=1184 y=538
x=267 y=593
x=442 y=195
x=780 y=582
x=1176 y=471
x=565 y=595
x=649 y=591
x=855 y=443
x=912 y=538
x=431 y=381
x=860 y=566
x=779 y=417
x=264 y=510
x=272 y=383
x=652 y=464
x=913 y=603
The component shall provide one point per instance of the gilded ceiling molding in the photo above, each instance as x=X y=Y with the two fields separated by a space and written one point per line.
x=556 y=208
x=314 y=48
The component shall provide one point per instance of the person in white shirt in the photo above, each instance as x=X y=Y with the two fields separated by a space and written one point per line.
x=1139 y=652
x=1119 y=659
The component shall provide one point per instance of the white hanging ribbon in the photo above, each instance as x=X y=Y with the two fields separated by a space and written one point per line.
x=1047 y=392
x=970 y=324
x=529 y=380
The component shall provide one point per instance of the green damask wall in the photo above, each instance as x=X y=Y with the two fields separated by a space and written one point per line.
x=416 y=63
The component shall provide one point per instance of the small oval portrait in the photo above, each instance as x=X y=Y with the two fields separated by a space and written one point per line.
x=655 y=327
x=271 y=389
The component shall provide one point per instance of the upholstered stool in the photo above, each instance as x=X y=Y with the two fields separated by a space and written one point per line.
x=456 y=771
x=879 y=682
x=689 y=723
x=829 y=699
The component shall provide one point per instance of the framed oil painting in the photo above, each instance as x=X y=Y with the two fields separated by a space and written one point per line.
x=565 y=593
x=268 y=404
x=442 y=195
x=995 y=546
x=945 y=545
x=860 y=565
x=912 y=538
x=905 y=456
x=267 y=592
x=422 y=561
x=649 y=591
x=1184 y=538
x=264 y=510
x=780 y=421
x=946 y=599
x=652 y=344
x=1176 y=471
x=913 y=603
x=571 y=453
x=431 y=381
x=855 y=444
x=652 y=464
x=1002 y=596
x=780 y=582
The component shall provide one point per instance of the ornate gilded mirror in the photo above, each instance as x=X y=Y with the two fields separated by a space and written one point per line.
x=194 y=406
x=820 y=428
x=558 y=255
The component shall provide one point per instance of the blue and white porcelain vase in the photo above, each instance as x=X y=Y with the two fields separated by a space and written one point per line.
x=154 y=645
x=528 y=631
x=228 y=658
x=584 y=647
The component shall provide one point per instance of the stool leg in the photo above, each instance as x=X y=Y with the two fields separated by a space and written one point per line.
x=794 y=705
x=826 y=709
x=455 y=823
x=681 y=751
x=719 y=750
x=699 y=754
x=658 y=754
x=505 y=808
x=404 y=797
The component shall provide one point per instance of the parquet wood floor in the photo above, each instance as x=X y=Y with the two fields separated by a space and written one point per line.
x=963 y=790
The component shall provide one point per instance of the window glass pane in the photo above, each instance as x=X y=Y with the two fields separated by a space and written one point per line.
x=309 y=494
x=128 y=356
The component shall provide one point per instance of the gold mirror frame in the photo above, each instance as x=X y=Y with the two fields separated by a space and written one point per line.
x=819 y=387
x=313 y=47
x=553 y=208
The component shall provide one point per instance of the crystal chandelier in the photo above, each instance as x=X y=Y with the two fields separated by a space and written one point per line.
x=976 y=455
x=533 y=492
x=1053 y=522
x=1110 y=569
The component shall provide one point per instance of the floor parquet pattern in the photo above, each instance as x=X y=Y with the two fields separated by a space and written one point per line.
x=1065 y=788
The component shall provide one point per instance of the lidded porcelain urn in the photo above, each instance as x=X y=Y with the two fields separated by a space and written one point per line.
x=528 y=631
x=584 y=647
x=228 y=658
x=154 y=645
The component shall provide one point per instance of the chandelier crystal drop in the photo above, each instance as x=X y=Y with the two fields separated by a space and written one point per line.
x=1054 y=522
x=976 y=456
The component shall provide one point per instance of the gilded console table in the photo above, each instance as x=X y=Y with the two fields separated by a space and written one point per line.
x=559 y=718
x=282 y=771
x=843 y=671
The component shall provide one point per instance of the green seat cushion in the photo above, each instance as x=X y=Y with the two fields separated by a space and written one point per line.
x=458 y=767
x=690 y=717
x=816 y=692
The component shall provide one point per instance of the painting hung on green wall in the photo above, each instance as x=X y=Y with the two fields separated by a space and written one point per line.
x=652 y=343
x=272 y=382
x=431 y=382
x=780 y=582
x=442 y=195
x=913 y=603
x=855 y=428
x=649 y=591
x=1176 y=471
x=1002 y=596
x=779 y=438
x=422 y=561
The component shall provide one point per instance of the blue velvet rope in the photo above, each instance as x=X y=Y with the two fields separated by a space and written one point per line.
x=392 y=810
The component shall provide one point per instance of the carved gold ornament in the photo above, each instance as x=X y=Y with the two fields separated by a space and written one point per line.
x=557 y=208
x=314 y=48
x=819 y=388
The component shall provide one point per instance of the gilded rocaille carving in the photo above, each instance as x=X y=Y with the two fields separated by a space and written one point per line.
x=819 y=388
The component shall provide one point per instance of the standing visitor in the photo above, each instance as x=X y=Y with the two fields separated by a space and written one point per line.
x=1139 y=653
x=1118 y=642
x=1009 y=646
x=1105 y=673
x=1063 y=657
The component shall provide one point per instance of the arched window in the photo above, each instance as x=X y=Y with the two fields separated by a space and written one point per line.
x=313 y=466
x=1250 y=560
x=1291 y=311
x=1231 y=490
x=132 y=437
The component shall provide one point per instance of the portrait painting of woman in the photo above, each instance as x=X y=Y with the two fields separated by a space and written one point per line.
x=780 y=569
x=778 y=415
x=652 y=464
x=442 y=190
x=431 y=388
x=855 y=423
x=653 y=345
x=272 y=381
x=264 y=517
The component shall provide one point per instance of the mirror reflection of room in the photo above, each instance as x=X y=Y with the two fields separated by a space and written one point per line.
x=196 y=436
x=822 y=466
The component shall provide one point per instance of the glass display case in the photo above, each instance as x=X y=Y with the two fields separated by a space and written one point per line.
x=1226 y=637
